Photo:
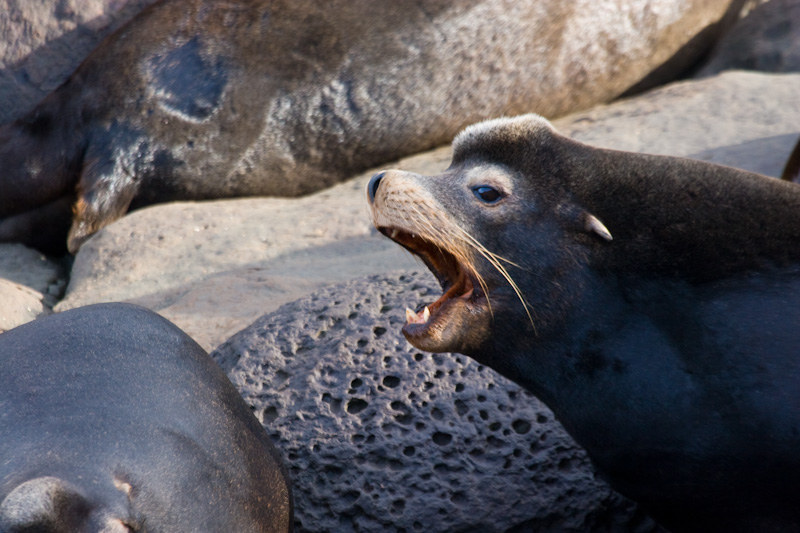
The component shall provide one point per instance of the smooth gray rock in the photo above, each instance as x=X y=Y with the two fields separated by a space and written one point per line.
x=379 y=436
x=30 y=284
x=767 y=39
x=42 y=41
x=20 y=304
x=742 y=119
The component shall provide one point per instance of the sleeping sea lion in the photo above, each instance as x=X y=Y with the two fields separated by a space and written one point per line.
x=201 y=99
x=113 y=420
x=651 y=302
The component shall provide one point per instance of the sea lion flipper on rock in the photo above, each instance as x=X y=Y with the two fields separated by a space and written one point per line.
x=668 y=352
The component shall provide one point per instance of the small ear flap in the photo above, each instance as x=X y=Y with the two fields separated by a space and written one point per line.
x=46 y=504
x=593 y=224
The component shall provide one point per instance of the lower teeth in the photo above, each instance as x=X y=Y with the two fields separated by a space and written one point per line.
x=415 y=318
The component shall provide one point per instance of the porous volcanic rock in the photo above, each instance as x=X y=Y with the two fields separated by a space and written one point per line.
x=379 y=436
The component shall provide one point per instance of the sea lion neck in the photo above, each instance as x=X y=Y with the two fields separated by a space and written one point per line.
x=692 y=219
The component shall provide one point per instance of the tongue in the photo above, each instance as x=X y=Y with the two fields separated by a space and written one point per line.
x=417 y=318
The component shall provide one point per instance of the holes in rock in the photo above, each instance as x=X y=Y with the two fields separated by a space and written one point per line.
x=461 y=407
x=507 y=464
x=352 y=315
x=459 y=387
x=541 y=419
x=494 y=426
x=334 y=404
x=357 y=439
x=439 y=374
x=481 y=398
x=321 y=334
x=494 y=442
x=356 y=405
x=437 y=414
x=459 y=498
x=362 y=342
x=385 y=309
x=269 y=415
x=409 y=451
x=484 y=414
x=404 y=415
x=419 y=426
x=398 y=506
x=356 y=383
x=378 y=331
x=418 y=357
x=350 y=496
x=391 y=381
x=438 y=359
x=442 y=439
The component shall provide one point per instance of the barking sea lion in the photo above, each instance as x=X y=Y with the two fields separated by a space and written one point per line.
x=112 y=420
x=651 y=302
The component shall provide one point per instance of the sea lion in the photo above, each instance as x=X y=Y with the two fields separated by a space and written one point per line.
x=199 y=99
x=114 y=420
x=651 y=302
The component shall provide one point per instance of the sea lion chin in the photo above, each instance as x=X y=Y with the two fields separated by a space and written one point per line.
x=650 y=301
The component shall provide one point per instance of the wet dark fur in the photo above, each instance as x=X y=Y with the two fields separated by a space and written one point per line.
x=672 y=352
x=114 y=394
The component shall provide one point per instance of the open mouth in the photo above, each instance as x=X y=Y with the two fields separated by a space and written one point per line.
x=458 y=281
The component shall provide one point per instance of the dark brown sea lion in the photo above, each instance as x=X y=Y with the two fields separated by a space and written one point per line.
x=651 y=302
x=113 y=420
x=198 y=99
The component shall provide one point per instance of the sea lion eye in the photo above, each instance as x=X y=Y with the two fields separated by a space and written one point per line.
x=486 y=194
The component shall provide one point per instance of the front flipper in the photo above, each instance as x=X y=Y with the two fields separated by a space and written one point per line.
x=113 y=168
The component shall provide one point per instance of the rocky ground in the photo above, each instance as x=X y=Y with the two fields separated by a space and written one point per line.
x=301 y=302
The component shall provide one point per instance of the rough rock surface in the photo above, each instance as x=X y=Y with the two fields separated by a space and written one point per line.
x=43 y=41
x=767 y=39
x=379 y=436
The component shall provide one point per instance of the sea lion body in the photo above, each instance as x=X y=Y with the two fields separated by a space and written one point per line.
x=199 y=99
x=662 y=301
x=114 y=420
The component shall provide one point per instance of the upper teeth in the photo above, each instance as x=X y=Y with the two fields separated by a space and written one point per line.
x=394 y=233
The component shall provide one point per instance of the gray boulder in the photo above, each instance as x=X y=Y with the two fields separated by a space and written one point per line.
x=41 y=43
x=381 y=437
x=30 y=285
x=767 y=39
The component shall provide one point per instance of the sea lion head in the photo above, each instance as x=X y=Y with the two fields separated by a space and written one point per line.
x=501 y=232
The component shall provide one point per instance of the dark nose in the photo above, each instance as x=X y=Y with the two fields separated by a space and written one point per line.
x=374 y=183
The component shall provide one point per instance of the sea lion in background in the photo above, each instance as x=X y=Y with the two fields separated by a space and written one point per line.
x=114 y=420
x=651 y=302
x=199 y=99
x=791 y=172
